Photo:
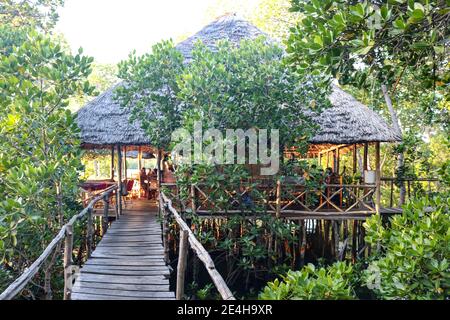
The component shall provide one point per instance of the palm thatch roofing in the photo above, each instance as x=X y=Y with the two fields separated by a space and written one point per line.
x=103 y=122
x=348 y=121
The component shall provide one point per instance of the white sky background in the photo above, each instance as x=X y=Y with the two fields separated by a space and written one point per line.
x=109 y=30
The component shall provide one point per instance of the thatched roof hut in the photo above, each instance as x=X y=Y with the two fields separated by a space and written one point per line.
x=103 y=122
x=348 y=121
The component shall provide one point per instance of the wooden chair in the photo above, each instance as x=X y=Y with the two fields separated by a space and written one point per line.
x=127 y=194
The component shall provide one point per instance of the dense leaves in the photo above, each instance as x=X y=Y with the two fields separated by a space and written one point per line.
x=415 y=252
x=249 y=87
x=411 y=261
x=311 y=283
x=150 y=91
x=354 y=41
x=39 y=146
x=32 y=13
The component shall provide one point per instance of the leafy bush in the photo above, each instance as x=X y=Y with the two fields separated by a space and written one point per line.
x=332 y=283
x=413 y=261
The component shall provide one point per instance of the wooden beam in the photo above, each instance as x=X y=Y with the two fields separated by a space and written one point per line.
x=200 y=251
x=338 y=158
x=182 y=261
x=355 y=161
x=68 y=248
x=125 y=162
x=139 y=168
x=278 y=200
x=119 y=183
x=112 y=163
x=366 y=156
x=378 y=178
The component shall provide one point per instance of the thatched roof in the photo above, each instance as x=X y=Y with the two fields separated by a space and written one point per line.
x=229 y=27
x=103 y=122
x=348 y=121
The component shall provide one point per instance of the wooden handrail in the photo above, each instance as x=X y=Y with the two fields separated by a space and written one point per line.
x=200 y=251
x=20 y=283
x=409 y=179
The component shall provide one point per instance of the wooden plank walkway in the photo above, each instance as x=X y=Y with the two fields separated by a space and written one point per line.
x=128 y=263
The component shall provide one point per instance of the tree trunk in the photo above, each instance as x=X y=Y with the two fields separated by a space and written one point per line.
x=400 y=156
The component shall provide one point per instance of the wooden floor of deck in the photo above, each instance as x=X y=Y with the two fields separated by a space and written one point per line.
x=128 y=263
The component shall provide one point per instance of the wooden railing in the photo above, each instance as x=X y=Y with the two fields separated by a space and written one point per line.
x=187 y=236
x=65 y=233
x=279 y=198
x=428 y=185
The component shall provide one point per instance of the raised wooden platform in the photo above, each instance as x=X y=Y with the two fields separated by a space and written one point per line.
x=128 y=263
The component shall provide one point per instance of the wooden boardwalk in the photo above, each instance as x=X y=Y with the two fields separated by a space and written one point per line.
x=128 y=263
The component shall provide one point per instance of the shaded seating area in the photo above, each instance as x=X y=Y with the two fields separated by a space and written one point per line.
x=347 y=127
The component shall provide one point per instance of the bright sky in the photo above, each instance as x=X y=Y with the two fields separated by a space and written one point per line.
x=109 y=30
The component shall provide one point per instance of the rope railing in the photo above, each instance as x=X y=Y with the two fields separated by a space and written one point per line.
x=66 y=232
x=186 y=235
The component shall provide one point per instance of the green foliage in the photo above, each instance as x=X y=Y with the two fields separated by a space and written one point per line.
x=248 y=86
x=151 y=90
x=41 y=14
x=411 y=261
x=102 y=77
x=401 y=44
x=355 y=42
x=39 y=149
x=414 y=259
x=311 y=283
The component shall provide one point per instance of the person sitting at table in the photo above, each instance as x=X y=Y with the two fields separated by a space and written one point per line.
x=144 y=181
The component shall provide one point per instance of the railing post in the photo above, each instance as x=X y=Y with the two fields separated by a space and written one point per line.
x=105 y=213
x=378 y=177
x=119 y=184
x=89 y=232
x=116 y=192
x=278 y=201
x=182 y=261
x=165 y=227
x=68 y=249
x=193 y=204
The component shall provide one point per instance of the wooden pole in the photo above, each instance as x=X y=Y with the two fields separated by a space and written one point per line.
x=193 y=200
x=125 y=162
x=201 y=253
x=112 y=163
x=366 y=156
x=355 y=160
x=68 y=249
x=105 y=213
x=89 y=232
x=278 y=201
x=182 y=261
x=158 y=168
x=338 y=155
x=166 y=230
x=140 y=168
x=320 y=160
x=119 y=191
x=378 y=177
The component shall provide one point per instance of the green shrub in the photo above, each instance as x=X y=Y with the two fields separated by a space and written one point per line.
x=331 y=283
x=414 y=252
